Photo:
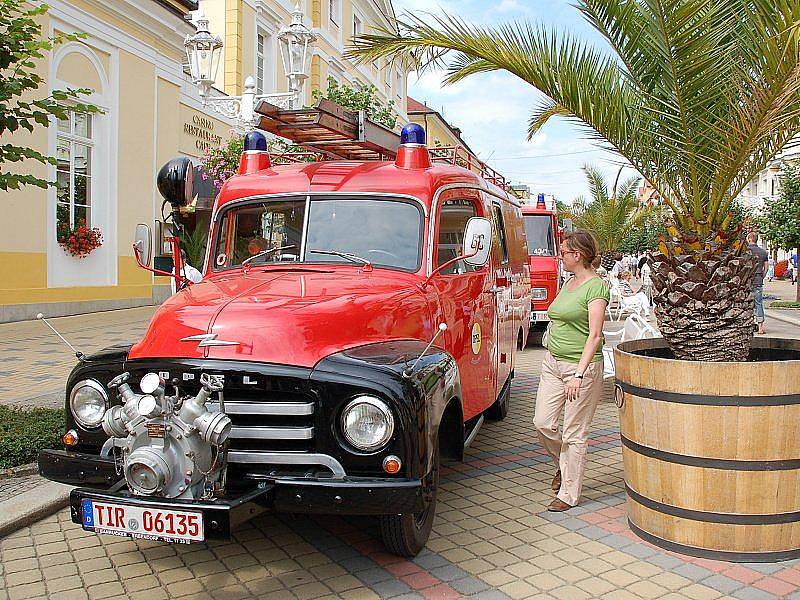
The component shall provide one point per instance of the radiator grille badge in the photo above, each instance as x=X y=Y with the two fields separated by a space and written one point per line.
x=208 y=339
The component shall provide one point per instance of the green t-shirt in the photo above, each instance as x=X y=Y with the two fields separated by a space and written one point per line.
x=569 y=320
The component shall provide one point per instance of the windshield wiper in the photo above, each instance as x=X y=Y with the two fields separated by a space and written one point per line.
x=351 y=257
x=267 y=252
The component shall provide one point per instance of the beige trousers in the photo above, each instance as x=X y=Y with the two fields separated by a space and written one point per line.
x=567 y=448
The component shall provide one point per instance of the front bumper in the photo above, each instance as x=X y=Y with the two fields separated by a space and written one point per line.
x=350 y=495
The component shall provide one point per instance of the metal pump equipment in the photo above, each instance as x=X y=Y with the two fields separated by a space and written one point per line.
x=172 y=447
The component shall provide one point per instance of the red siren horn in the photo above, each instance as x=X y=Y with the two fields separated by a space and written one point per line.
x=413 y=153
x=255 y=156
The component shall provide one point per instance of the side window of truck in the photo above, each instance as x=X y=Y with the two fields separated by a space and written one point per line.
x=500 y=233
x=453 y=217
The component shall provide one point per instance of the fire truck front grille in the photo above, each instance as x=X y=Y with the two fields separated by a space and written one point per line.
x=273 y=415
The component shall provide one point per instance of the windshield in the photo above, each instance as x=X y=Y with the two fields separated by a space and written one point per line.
x=381 y=232
x=539 y=231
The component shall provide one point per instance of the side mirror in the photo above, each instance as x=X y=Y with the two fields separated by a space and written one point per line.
x=143 y=244
x=477 y=241
x=176 y=181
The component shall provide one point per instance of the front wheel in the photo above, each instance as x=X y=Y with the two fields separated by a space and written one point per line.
x=405 y=535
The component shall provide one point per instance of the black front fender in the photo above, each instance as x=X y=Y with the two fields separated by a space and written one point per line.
x=417 y=391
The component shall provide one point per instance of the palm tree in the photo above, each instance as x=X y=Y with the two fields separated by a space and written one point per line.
x=609 y=216
x=698 y=96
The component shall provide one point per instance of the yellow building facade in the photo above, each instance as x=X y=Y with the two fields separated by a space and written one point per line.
x=133 y=59
x=249 y=30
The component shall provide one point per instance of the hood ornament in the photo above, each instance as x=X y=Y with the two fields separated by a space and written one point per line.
x=208 y=339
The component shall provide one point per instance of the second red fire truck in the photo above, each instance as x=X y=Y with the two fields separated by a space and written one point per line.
x=357 y=320
x=543 y=235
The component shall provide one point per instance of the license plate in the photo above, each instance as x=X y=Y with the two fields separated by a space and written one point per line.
x=142 y=522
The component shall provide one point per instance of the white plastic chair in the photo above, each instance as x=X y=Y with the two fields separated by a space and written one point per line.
x=635 y=328
x=627 y=304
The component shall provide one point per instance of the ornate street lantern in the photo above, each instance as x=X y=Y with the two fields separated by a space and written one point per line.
x=203 y=51
x=294 y=43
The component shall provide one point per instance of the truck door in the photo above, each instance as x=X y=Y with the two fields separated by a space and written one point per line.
x=467 y=301
x=503 y=296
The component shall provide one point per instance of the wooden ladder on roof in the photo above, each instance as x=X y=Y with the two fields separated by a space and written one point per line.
x=331 y=130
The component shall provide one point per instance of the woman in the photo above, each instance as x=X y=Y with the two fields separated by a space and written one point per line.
x=572 y=371
x=632 y=289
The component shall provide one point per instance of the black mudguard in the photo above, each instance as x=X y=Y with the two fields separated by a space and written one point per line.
x=418 y=392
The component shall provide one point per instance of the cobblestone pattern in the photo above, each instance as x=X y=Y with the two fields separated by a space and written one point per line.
x=492 y=539
x=34 y=363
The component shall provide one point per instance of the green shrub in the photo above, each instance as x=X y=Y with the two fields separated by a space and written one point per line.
x=23 y=432
x=784 y=304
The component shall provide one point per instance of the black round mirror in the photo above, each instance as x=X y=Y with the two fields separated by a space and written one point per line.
x=175 y=181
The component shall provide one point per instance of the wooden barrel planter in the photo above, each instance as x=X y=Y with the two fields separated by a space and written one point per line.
x=712 y=450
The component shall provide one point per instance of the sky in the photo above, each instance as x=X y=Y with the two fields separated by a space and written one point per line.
x=492 y=109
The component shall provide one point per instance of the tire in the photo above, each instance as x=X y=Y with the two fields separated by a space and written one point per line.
x=499 y=410
x=407 y=534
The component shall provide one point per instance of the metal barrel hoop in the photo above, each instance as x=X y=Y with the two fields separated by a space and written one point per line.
x=619 y=395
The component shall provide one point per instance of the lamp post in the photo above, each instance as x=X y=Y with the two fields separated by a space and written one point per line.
x=203 y=51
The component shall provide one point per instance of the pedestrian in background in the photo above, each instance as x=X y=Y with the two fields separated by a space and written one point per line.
x=572 y=370
x=758 y=279
x=771 y=269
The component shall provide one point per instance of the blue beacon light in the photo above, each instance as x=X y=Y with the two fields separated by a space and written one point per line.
x=255 y=140
x=412 y=133
x=540 y=201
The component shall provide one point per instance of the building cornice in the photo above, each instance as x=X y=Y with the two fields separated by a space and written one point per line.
x=180 y=8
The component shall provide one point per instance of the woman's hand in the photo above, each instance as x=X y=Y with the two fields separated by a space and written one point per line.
x=573 y=389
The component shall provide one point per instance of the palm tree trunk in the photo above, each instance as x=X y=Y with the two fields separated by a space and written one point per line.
x=704 y=300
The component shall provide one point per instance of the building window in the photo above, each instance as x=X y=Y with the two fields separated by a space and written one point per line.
x=399 y=87
x=358 y=26
x=387 y=78
x=74 y=146
x=265 y=67
x=335 y=11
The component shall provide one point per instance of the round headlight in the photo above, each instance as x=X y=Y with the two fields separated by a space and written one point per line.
x=87 y=400
x=367 y=423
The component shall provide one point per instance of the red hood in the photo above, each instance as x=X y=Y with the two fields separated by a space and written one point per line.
x=293 y=317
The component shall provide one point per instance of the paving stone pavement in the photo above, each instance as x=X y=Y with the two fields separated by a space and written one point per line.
x=492 y=539
x=34 y=363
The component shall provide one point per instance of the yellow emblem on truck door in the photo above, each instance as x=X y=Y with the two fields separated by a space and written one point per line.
x=476 y=338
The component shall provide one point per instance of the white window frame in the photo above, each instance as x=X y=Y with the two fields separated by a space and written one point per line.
x=399 y=83
x=73 y=140
x=335 y=13
x=357 y=24
x=264 y=59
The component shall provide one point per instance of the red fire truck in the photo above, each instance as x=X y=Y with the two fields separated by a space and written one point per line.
x=544 y=236
x=356 y=321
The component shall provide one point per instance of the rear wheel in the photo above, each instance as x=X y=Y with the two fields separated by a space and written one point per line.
x=405 y=535
x=499 y=410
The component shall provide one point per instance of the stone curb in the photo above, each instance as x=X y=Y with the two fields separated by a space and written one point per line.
x=27 y=508
x=778 y=317
x=20 y=471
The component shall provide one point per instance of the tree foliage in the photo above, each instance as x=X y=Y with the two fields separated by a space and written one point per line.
x=645 y=237
x=698 y=95
x=365 y=97
x=21 y=48
x=611 y=214
x=780 y=221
